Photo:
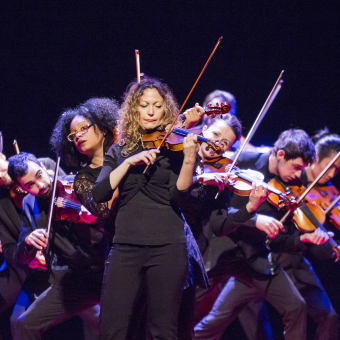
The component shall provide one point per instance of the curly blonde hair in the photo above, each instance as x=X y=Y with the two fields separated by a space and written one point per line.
x=128 y=124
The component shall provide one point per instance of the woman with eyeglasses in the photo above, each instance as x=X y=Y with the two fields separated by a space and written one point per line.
x=81 y=137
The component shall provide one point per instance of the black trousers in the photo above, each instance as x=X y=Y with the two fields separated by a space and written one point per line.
x=320 y=309
x=161 y=270
x=245 y=288
x=10 y=286
x=71 y=294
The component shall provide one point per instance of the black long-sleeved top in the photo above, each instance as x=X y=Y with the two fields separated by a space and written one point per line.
x=10 y=227
x=287 y=247
x=83 y=185
x=208 y=216
x=148 y=208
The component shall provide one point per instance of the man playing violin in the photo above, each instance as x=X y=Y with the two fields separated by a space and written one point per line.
x=324 y=192
x=260 y=276
x=326 y=147
x=291 y=246
x=16 y=279
x=76 y=254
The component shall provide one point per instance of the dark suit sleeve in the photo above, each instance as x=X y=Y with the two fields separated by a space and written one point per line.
x=26 y=253
x=9 y=245
x=287 y=243
x=227 y=220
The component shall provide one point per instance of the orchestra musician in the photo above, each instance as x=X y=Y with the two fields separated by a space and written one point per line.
x=81 y=137
x=149 y=246
x=19 y=282
x=258 y=275
x=103 y=113
x=319 y=307
x=77 y=254
x=206 y=215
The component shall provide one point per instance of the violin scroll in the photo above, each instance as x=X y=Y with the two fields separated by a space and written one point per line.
x=217 y=109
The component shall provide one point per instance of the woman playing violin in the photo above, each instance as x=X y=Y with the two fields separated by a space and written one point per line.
x=149 y=247
x=223 y=132
x=81 y=137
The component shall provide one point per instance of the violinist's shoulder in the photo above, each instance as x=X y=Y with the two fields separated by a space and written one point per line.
x=247 y=156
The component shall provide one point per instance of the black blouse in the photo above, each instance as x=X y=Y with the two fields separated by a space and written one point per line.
x=148 y=206
x=83 y=184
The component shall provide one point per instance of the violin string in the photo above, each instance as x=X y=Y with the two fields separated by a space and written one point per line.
x=69 y=204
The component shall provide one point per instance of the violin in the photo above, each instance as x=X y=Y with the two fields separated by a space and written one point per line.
x=241 y=181
x=306 y=216
x=17 y=194
x=324 y=196
x=174 y=141
x=222 y=109
x=67 y=205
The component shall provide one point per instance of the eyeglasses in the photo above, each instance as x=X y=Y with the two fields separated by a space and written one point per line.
x=81 y=131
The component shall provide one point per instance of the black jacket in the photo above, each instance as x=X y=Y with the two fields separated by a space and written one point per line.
x=73 y=246
x=10 y=227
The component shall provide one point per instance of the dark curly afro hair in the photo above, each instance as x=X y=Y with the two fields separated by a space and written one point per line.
x=102 y=112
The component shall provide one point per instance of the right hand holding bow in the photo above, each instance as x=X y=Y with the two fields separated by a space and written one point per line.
x=145 y=157
x=37 y=238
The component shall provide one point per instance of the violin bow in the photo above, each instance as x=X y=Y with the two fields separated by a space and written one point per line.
x=16 y=147
x=137 y=65
x=186 y=99
x=332 y=205
x=317 y=179
x=260 y=116
x=50 y=210
x=1 y=143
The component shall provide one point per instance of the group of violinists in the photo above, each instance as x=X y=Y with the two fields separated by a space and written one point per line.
x=131 y=265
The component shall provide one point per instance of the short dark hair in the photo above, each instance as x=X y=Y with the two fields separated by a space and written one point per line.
x=295 y=143
x=18 y=165
x=326 y=145
x=102 y=112
x=231 y=120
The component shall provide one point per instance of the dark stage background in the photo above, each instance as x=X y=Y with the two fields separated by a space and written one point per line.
x=57 y=54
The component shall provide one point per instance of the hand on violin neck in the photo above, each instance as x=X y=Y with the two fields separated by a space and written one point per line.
x=269 y=225
x=37 y=238
x=193 y=116
x=318 y=236
x=190 y=149
x=214 y=178
x=259 y=194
